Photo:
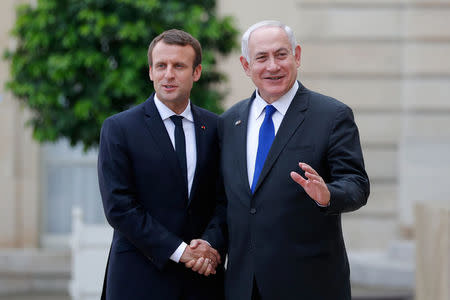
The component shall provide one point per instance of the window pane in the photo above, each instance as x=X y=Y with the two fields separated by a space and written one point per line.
x=69 y=179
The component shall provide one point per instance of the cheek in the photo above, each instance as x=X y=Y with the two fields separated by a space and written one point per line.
x=156 y=76
x=257 y=73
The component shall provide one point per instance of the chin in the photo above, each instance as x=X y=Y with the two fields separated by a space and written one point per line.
x=275 y=92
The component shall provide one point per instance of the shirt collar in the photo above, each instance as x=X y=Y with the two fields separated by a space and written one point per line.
x=166 y=112
x=281 y=105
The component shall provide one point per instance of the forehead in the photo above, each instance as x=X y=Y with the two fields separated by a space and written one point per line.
x=169 y=52
x=268 y=39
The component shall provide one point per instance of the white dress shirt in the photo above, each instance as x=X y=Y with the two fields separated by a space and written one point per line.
x=255 y=119
x=191 y=149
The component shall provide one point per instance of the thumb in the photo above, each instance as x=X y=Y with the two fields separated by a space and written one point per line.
x=194 y=244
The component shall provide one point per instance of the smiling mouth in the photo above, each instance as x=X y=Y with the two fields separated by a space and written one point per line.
x=273 y=77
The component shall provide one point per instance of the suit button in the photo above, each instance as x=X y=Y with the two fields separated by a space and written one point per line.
x=253 y=211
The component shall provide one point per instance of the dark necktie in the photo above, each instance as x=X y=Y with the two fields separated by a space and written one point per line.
x=266 y=137
x=180 y=144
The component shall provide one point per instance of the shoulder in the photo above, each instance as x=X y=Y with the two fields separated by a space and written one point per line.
x=326 y=103
x=126 y=115
x=236 y=109
x=204 y=113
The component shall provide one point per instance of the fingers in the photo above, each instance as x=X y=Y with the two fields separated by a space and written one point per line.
x=201 y=257
x=203 y=249
x=215 y=263
x=214 y=260
x=204 y=267
x=210 y=270
x=307 y=168
x=314 y=178
x=298 y=178
x=216 y=255
x=311 y=175
x=198 y=264
x=190 y=264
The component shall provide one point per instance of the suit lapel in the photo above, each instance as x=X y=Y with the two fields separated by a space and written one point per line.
x=241 y=126
x=200 y=128
x=161 y=138
x=292 y=120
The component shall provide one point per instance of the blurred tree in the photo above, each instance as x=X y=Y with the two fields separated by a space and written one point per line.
x=79 y=61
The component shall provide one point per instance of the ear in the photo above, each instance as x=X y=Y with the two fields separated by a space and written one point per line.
x=197 y=72
x=245 y=65
x=298 y=51
x=150 y=73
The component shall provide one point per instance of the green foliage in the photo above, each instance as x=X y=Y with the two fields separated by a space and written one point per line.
x=79 y=61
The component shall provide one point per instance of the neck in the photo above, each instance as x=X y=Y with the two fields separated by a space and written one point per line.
x=177 y=107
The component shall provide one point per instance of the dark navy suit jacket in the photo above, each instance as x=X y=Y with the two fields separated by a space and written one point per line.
x=146 y=202
x=279 y=235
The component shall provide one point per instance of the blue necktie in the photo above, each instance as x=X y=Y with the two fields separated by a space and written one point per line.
x=180 y=144
x=266 y=137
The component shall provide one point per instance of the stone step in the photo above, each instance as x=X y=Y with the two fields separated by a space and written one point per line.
x=34 y=271
x=385 y=274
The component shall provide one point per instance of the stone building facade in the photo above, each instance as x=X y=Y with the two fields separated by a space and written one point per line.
x=388 y=59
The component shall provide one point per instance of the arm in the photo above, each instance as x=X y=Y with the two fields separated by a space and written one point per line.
x=122 y=209
x=348 y=186
x=215 y=234
x=214 y=237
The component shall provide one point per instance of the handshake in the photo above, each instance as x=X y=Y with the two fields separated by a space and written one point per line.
x=201 y=257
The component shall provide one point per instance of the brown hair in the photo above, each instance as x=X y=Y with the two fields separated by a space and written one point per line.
x=177 y=37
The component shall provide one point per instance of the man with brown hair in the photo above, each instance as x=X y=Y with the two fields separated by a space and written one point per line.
x=158 y=170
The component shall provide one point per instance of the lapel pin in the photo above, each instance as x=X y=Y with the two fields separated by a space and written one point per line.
x=203 y=127
x=238 y=122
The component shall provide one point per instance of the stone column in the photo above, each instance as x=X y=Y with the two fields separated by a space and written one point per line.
x=19 y=157
x=432 y=230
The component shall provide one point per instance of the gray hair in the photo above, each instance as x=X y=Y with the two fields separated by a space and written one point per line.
x=266 y=23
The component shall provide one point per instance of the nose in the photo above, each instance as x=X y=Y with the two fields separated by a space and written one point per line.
x=169 y=72
x=272 y=65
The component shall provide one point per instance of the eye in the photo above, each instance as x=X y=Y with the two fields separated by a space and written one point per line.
x=160 y=66
x=282 y=55
x=179 y=66
x=261 y=58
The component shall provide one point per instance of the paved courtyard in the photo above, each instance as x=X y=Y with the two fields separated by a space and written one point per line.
x=368 y=296
x=35 y=297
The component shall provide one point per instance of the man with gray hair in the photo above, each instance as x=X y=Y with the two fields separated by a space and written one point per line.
x=291 y=163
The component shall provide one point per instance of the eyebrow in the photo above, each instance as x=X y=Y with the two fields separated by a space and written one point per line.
x=278 y=50
x=174 y=63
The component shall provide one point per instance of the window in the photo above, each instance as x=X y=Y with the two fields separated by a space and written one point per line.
x=69 y=178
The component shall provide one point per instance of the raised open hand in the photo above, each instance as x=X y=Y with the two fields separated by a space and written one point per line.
x=314 y=185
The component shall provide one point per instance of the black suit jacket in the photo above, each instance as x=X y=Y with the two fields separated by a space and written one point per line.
x=145 y=201
x=279 y=235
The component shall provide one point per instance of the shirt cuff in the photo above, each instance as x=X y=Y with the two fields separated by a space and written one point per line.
x=178 y=253
x=323 y=205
